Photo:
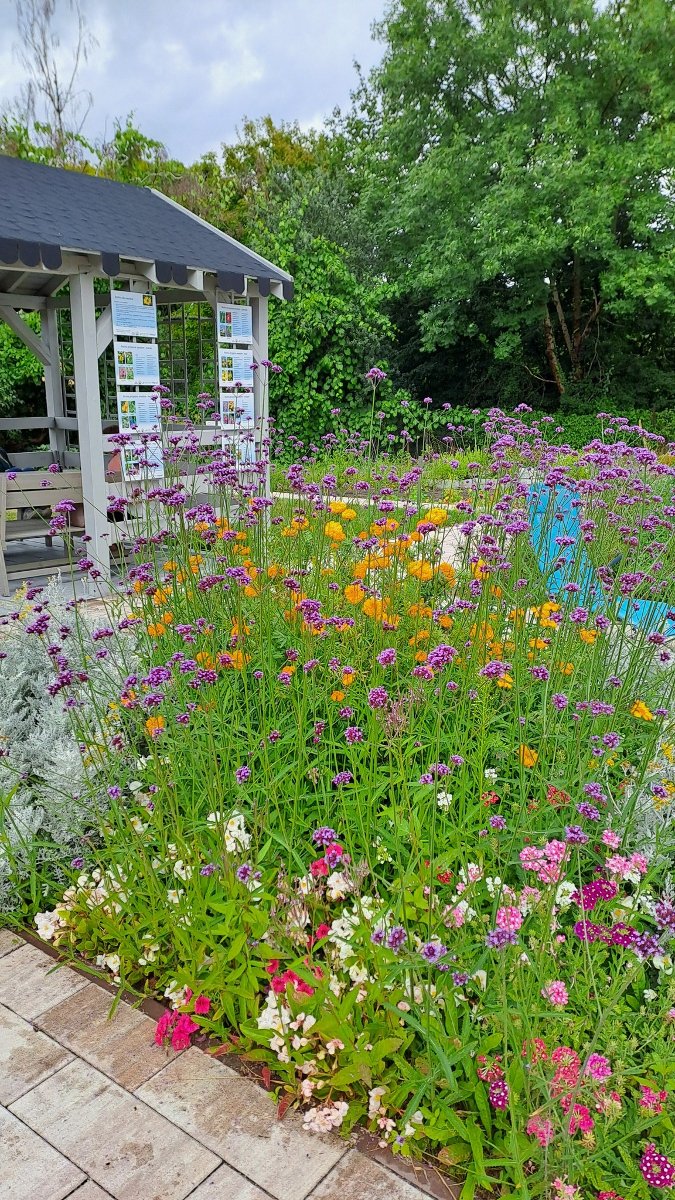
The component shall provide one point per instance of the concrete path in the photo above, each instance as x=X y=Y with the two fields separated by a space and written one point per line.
x=90 y=1108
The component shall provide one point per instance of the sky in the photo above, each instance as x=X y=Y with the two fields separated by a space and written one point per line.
x=190 y=70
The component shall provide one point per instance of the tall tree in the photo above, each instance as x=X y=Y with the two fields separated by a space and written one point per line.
x=521 y=177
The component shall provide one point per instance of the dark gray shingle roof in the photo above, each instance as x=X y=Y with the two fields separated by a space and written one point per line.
x=45 y=211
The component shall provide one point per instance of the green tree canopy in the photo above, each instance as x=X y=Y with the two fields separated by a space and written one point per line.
x=524 y=151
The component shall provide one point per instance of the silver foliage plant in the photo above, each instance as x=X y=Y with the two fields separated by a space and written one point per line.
x=50 y=795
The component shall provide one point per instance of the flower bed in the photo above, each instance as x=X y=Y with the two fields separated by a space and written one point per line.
x=397 y=828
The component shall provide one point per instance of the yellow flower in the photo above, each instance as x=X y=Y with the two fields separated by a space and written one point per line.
x=348 y=514
x=505 y=681
x=334 y=531
x=639 y=709
x=565 y=668
x=588 y=636
x=155 y=724
x=527 y=757
x=374 y=608
x=448 y=572
x=337 y=695
x=337 y=507
x=354 y=593
x=298 y=523
x=437 y=516
x=421 y=570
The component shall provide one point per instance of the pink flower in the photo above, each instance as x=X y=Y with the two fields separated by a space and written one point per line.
x=598 y=1067
x=611 y=839
x=639 y=863
x=556 y=993
x=532 y=858
x=580 y=1118
x=202 y=1005
x=616 y=864
x=319 y=867
x=652 y=1101
x=509 y=918
x=183 y=1030
x=541 y=1129
x=163 y=1026
x=555 y=851
x=656 y=1168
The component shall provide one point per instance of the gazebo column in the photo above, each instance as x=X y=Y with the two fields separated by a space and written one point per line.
x=53 y=379
x=259 y=320
x=90 y=429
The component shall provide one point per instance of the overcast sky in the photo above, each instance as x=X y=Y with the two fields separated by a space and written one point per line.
x=191 y=69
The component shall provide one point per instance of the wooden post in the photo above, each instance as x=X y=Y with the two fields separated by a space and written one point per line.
x=259 y=317
x=54 y=381
x=90 y=428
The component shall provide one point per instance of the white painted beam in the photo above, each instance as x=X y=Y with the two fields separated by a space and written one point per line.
x=53 y=381
x=88 y=400
x=104 y=331
x=28 y=336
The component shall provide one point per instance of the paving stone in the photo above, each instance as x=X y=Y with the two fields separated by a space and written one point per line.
x=121 y=1046
x=125 y=1147
x=91 y=1191
x=30 y=1169
x=9 y=941
x=226 y=1184
x=26 y=986
x=359 y=1178
x=26 y=1057
x=237 y=1119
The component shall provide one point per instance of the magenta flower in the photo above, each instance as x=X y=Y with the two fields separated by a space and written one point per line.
x=498 y=1093
x=657 y=1170
x=353 y=734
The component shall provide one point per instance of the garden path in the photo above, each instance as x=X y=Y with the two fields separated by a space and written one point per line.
x=91 y=1108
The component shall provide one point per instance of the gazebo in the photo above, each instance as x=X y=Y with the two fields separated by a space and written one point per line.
x=60 y=231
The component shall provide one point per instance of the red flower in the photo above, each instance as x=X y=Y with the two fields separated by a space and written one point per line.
x=322 y=932
x=319 y=867
x=202 y=1005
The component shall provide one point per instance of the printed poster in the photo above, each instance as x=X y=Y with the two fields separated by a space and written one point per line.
x=235 y=323
x=241 y=447
x=235 y=367
x=137 y=364
x=236 y=408
x=134 y=314
x=141 y=460
x=138 y=410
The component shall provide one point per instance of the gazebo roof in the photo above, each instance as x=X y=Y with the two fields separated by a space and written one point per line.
x=48 y=214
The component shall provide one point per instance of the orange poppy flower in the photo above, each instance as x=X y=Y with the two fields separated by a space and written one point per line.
x=155 y=725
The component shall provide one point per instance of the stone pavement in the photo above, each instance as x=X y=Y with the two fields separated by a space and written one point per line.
x=90 y=1108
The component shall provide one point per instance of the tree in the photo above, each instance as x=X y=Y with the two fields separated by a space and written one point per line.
x=520 y=176
x=51 y=107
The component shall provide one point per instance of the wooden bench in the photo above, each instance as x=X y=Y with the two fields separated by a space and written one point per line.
x=34 y=492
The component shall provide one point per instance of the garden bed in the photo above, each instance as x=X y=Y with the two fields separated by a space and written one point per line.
x=399 y=825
